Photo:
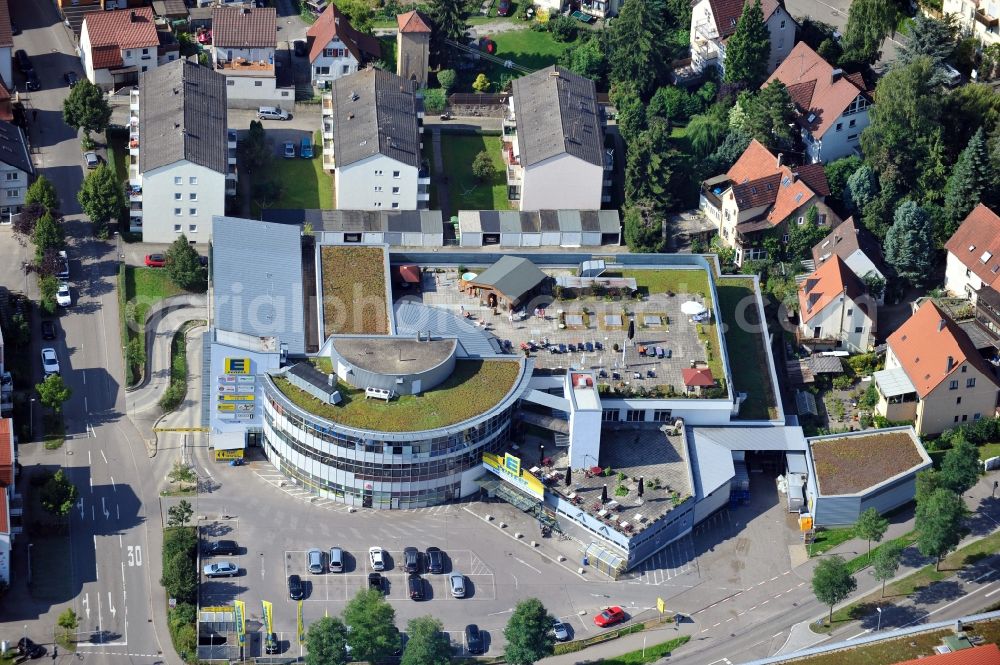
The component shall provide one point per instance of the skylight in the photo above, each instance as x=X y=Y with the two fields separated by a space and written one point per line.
x=986 y=257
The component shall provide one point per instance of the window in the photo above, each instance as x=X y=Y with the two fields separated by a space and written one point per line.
x=858 y=330
x=378 y=188
x=395 y=174
x=964 y=368
x=395 y=190
x=956 y=419
x=192 y=211
x=322 y=71
x=378 y=171
x=970 y=383
x=177 y=228
x=13 y=193
x=850 y=311
x=801 y=220
x=193 y=196
x=258 y=84
x=144 y=68
x=782 y=25
x=852 y=123
x=953 y=385
x=230 y=81
x=964 y=417
x=784 y=238
x=12 y=175
x=178 y=180
x=378 y=204
x=634 y=416
x=193 y=228
x=958 y=400
x=193 y=180
x=977 y=416
x=661 y=416
x=395 y=204
x=346 y=69
x=328 y=53
x=128 y=53
x=177 y=212
x=610 y=415
x=852 y=137
x=840 y=126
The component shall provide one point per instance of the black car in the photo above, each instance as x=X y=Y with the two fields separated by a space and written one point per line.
x=23 y=61
x=300 y=48
x=223 y=547
x=271 y=644
x=31 y=81
x=415 y=583
x=26 y=647
x=295 y=589
x=48 y=330
x=435 y=560
x=71 y=78
x=474 y=641
x=377 y=582
x=411 y=560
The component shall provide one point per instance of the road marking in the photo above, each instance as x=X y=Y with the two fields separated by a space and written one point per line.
x=741 y=613
x=773 y=578
x=777 y=634
x=83 y=374
x=528 y=565
x=120 y=543
x=863 y=632
x=507 y=611
x=113 y=486
x=737 y=594
x=785 y=573
x=716 y=625
x=752 y=608
x=86 y=604
x=91 y=484
x=762 y=583
x=765 y=603
x=85 y=407
x=102 y=455
x=992 y=592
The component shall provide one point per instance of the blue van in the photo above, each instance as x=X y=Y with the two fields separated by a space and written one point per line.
x=306 y=148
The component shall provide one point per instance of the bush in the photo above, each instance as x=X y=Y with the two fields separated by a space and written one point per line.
x=564 y=29
x=434 y=100
x=843 y=382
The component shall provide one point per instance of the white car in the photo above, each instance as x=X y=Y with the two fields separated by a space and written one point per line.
x=457 y=583
x=377 y=557
x=63 y=297
x=92 y=160
x=50 y=362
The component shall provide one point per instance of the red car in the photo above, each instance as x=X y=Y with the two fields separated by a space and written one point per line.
x=156 y=260
x=609 y=617
x=504 y=8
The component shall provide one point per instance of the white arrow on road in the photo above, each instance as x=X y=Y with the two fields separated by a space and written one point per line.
x=79 y=504
x=507 y=611
x=86 y=605
x=113 y=610
x=104 y=508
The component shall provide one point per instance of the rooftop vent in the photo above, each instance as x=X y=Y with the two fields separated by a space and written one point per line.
x=941 y=325
x=245 y=11
x=986 y=257
x=133 y=17
x=972 y=248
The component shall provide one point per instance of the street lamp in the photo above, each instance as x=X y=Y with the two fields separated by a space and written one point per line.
x=879 y=626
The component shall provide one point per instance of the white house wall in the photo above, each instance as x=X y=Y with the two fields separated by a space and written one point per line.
x=959 y=280
x=14 y=183
x=845 y=142
x=334 y=67
x=356 y=185
x=250 y=92
x=562 y=182
x=846 y=313
x=159 y=189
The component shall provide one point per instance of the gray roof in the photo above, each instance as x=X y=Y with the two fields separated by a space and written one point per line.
x=711 y=463
x=182 y=115
x=566 y=221
x=557 y=113
x=512 y=276
x=360 y=221
x=257 y=279
x=753 y=438
x=375 y=112
x=244 y=27
x=14 y=148
x=413 y=317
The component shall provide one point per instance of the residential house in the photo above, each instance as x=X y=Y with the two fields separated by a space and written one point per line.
x=372 y=126
x=16 y=169
x=244 y=40
x=336 y=49
x=758 y=195
x=6 y=104
x=857 y=248
x=831 y=107
x=413 y=45
x=974 y=254
x=183 y=158
x=10 y=503
x=835 y=311
x=934 y=375
x=979 y=18
x=713 y=22
x=553 y=143
x=6 y=45
x=116 y=46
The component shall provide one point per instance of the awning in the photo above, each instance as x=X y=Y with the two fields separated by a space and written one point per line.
x=504 y=491
x=410 y=273
x=123 y=70
x=229 y=440
x=893 y=382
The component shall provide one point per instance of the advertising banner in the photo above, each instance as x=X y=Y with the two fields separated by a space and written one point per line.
x=268 y=625
x=241 y=620
x=237 y=366
x=523 y=480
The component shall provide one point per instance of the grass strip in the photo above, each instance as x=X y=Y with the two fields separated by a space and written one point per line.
x=177 y=390
x=827 y=539
x=649 y=654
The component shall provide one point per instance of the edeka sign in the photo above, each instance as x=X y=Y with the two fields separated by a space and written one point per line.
x=524 y=481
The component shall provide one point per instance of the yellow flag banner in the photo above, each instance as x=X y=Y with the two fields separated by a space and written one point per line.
x=241 y=620
x=268 y=623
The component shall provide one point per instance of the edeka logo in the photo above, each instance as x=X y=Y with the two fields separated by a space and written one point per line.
x=524 y=481
x=512 y=464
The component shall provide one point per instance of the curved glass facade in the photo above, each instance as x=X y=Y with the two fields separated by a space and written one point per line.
x=380 y=470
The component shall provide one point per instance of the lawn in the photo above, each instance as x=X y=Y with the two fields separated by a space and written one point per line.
x=528 y=48
x=649 y=654
x=827 y=539
x=747 y=355
x=304 y=183
x=473 y=388
x=464 y=190
x=140 y=289
x=354 y=298
x=879 y=653
x=988 y=450
x=850 y=464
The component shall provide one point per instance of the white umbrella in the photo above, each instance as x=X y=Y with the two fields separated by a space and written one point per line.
x=692 y=308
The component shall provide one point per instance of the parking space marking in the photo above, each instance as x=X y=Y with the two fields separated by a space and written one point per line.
x=675 y=560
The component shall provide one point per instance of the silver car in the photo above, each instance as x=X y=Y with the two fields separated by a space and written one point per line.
x=456 y=582
x=50 y=361
x=314 y=561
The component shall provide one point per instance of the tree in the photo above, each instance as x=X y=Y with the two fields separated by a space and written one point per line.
x=481 y=84
x=373 y=634
x=871 y=526
x=960 y=466
x=326 y=642
x=631 y=111
x=86 y=108
x=874 y=284
x=650 y=167
x=43 y=192
x=749 y=49
x=909 y=244
x=48 y=234
x=868 y=24
x=23 y=224
x=862 y=187
x=53 y=392
x=180 y=576
x=734 y=145
x=446 y=79
x=802 y=237
x=672 y=103
x=939 y=523
x=68 y=619
x=435 y=100
x=180 y=514
x=529 y=631
x=928 y=482
x=101 y=195
x=58 y=494
x=184 y=265
x=929 y=37
x=970 y=178
x=268 y=191
x=644 y=228
x=359 y=13
x=449 y=23
x=255 y=153
x=886 y=562
x=589 y=59
x=637 y=38
x=832 y=582
x=837 y=173
x=706 y=131
x=483 y=167
x=428 y=644
x=766 y=115
x=48 y=285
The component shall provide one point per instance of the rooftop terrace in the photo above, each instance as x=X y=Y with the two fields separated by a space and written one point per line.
x=474 y=388
x=851 y=464
x=354 y=290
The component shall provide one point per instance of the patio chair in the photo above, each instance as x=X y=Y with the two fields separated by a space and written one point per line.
x=589 y=347
x=599 y=346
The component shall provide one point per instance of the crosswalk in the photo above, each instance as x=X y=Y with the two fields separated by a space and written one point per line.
x=675 y=561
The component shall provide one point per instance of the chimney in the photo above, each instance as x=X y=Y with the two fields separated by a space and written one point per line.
x=951 y=363
x=245 y=11
x=781 y=158
x=795 y=176
x=940 y=325
x=133 y=17
x=336 y=20
x=835 y=75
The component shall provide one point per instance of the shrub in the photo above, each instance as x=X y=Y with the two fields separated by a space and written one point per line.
x=842 y=382
x=564 y=29
x=434 y=100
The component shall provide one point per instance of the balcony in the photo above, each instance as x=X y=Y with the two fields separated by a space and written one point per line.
x=133 y=146
x=231 y=156
x=244 y=66
x=135 y=224
x=231 y=139
x=327 y=129
x=424 y=180
x=329 y=160
x=598 y=9
x=134 y=193
x=515 y=176
x=327 y=104
x=133 y=100
x=135 y=209
x=423 y=196
x=990 y=22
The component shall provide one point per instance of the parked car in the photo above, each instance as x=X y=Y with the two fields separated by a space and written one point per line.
x=63 y=273
x=376 y=555
x=223 y=547
x=289 y=150
x=272 y=113
x=306 y=148
x=222 y=569
x=93 y=161
x=435 y=560
x=336 y=560
x=314 y=561
x=456 y=582
x=63 y=296
x=560 y=631
x=415 y=584
x=31 y=81
x=50 y=361
x=48 y=330
x=475 y=643
x=503 y=9
x=156 y=260
x=26 y=647
x=295 y=588
x=609 y=617
x=271 y=644
x=300 y=48
x=71 y=78
x=377 y=582
x=411 y=560
x=23 y=61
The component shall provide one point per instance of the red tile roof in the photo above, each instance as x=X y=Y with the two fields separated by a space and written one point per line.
x=846 y=239
x=978 y=238
x=244 y=27
x=6 y=452
x=121 y=28
x=796 y=186
x=701 y=376
x=727 y=12
x=105 y=57
x=814 y=89
x=333 y=23
x=931 y=347
x=825 y=284
x=4 y=517
x=413 y=22
x=6 y=35
x=987 y=654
